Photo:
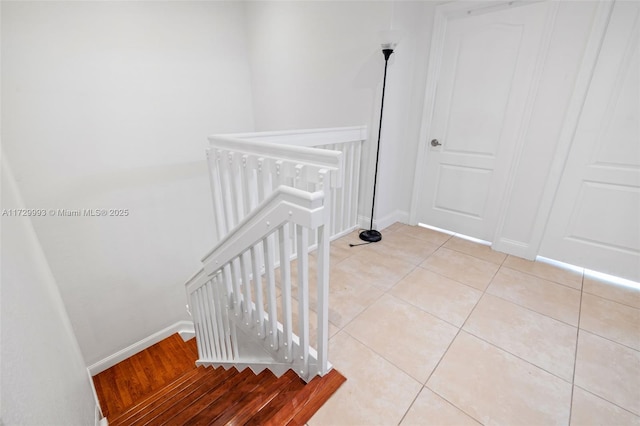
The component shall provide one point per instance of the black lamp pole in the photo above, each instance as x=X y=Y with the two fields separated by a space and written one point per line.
x=371 y=235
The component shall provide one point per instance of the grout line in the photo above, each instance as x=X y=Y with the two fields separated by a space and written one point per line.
x=517 y=356
x=458 y=281
x=454 y=405
x=543 y=278
x=609 y=339
x=575 y=357
x=485 y=291
x=430 y=313
x=444 y=354
x=530 y=309
x=438 y=365
x=611 y=300
x=606 y=400
x=362 y=311
x=477 y=257
x=383 y=357
x=411 y=405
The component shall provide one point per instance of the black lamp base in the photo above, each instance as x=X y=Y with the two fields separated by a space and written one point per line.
x=370 y=236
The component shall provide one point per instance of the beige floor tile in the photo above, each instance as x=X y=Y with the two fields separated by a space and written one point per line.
x=545 y=297
x=617 y=293
x=544 y=270
x=375 y=269
x=425 y=234
x=496 y=387
x=393 y=228
x=313 y=321
x=348 y=296
x=481 y=251
x=461 y=267
x=406 y=336
x=447 y=299
x=609 y=370
x=410 y=249
x=612 y=320
x=340 y=249
x=430 y=409
x=312 y=271
x=590 y=410
x=375 y=393
x=341 y=245
x=265 y=290
x=543 y=341
x=312 y=268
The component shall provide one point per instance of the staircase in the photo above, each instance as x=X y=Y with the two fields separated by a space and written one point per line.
x=277 y=197
x=175 y=392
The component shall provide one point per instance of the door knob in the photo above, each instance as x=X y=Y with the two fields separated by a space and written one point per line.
x=435 y=142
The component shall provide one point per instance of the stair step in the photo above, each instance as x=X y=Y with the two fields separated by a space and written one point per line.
x=206 y=395
x=302 y=406
x=180 y=402
x=158 y=397
x=258 y=399
x=234 y=395
x=186 y=408
x=127 y=383
x=287 y=393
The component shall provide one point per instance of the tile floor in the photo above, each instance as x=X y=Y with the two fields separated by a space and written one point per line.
x=431 y=329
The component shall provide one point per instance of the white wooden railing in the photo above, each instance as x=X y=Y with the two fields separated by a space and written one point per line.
x=346 y=140
x=273 y=205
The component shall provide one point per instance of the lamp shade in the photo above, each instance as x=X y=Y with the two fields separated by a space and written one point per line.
x=389 y=39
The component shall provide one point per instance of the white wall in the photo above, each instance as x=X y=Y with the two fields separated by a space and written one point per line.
x=319 y=64
x=406 y=84
x=314 y=64
x=108 y=105
x=44 y=378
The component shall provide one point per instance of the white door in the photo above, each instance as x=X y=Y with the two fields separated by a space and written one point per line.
x=483 y=61
x=595 y=219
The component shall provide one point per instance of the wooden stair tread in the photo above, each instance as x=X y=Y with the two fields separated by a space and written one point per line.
x=188 y=390
x=231 y=398
x=204 y=395
x=286 y=393
x=194 y=395
x=301 y=407
x=156 y=398
x=246 y=407
x=193 y=408
x=132 y=380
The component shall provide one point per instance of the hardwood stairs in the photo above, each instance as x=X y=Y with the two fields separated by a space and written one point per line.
x=156 y=392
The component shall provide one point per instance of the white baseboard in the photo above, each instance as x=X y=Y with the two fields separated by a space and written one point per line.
x=515 y=248
x=384 y=222
x=184 y=328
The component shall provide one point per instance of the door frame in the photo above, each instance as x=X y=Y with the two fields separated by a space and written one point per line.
x=442 y=13
x=569 y=127
x=446 y=11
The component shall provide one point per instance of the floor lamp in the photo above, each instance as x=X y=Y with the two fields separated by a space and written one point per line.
x=371 y=235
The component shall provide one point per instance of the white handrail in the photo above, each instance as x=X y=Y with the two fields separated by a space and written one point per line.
x=227 y=292
x=321 y=158
x=285 y=204
x=246 y=167
x=307 y=137
x=276 y=196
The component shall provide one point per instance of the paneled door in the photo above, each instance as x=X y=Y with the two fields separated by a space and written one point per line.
x=481 y=81
x=595 y=219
